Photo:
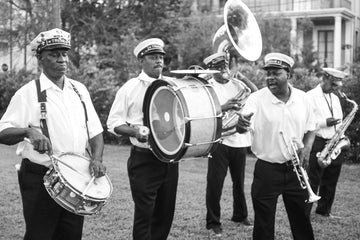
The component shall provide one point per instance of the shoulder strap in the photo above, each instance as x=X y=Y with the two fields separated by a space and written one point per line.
x=85 y=111
x=42 y=101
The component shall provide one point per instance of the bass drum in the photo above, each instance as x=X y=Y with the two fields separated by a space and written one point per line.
x=184 y=118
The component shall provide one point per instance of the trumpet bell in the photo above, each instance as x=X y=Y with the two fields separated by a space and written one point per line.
x=240 y=30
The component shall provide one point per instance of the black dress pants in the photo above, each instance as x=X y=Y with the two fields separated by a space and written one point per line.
x=323 y=181
x=44 y=218
x=225 y=157
x=153 y=187
x=270 y=181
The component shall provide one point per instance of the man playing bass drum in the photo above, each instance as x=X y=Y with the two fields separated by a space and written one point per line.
x=153 y=183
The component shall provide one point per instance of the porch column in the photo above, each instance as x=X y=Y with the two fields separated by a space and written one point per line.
x=349 y=42
x=293 y=43
x=215 y=6
x=337 y=42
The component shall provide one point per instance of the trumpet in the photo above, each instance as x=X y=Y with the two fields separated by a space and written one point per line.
x=299 y=170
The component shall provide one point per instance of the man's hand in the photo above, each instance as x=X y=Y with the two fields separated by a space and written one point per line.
x=243 y=123
x=97 y=169
x=142 y=133
x=39 y=141
x=304 y=156
x=332 y=121
x=231 y=104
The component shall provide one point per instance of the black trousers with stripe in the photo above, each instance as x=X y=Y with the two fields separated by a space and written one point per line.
x=323 y=181
x=270 y=181
x=225 y=157
x=44 y=218
x=153 y=187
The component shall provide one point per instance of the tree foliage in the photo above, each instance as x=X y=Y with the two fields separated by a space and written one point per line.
x=104 y=34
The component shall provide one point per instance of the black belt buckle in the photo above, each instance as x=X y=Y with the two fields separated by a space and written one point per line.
x=142 y=150
x=289 y=163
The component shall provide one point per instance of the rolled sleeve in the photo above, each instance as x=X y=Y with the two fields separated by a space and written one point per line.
x=16 y=115
x=117 y=115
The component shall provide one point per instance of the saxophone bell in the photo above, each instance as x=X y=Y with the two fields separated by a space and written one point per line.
x=339 y=141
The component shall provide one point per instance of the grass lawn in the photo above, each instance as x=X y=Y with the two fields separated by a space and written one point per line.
x=115 y=220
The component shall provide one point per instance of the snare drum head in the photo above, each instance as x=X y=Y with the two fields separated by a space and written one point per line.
x=75 y=170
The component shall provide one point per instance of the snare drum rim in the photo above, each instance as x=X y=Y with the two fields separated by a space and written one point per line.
x=146 y=110
x=68 y=184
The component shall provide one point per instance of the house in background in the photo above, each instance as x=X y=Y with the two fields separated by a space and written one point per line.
x=335 y=35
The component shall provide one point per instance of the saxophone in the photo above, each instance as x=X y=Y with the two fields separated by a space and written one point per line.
x=333 y=147
x=230 y=118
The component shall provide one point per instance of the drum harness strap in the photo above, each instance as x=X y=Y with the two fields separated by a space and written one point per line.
x=42 y=101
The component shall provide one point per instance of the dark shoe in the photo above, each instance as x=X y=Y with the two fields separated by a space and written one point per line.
x=215 y=231
x=328 y=215
x=244 y=221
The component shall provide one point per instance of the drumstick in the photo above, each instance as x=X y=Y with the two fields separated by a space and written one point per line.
x=88 y=186
x=67 y=165
x=59 y=160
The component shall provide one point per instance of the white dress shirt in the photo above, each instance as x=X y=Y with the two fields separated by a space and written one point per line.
x=323 y=105
x=65 y=118
x=128 y=105
x=272 y=116
x=225 y=92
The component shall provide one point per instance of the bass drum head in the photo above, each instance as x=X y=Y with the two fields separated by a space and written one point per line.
x=165 y=116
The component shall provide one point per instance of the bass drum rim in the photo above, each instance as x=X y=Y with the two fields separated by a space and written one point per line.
x=168 y=158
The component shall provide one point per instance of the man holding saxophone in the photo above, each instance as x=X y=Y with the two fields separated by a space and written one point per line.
x=231 y=153
x=278 y=115
x=329 y=116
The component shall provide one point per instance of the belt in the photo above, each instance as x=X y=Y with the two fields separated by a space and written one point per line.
x=288 y=163
x=140 y=149
x=30 y=166
x=318 y=137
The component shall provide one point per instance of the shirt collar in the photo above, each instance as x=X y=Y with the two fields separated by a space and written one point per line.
x=275 y=100
x=318 y=91
x=144 y=77
x=46 y=83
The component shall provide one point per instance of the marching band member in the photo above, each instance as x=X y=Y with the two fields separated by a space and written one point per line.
x=64 y=130
x=278 y=108
x=328 y=114
x=231 y=153
x=153 y=183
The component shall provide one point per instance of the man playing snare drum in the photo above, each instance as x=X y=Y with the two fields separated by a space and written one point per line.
x=153 y=183
x=56 y=127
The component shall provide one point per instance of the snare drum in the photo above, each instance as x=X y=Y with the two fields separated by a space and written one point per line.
x=70 y=184
x=184 y=118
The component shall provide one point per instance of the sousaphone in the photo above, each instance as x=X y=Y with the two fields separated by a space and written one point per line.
x=240 y=30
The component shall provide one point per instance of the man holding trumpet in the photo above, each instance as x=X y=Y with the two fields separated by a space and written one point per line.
x=274 y=113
